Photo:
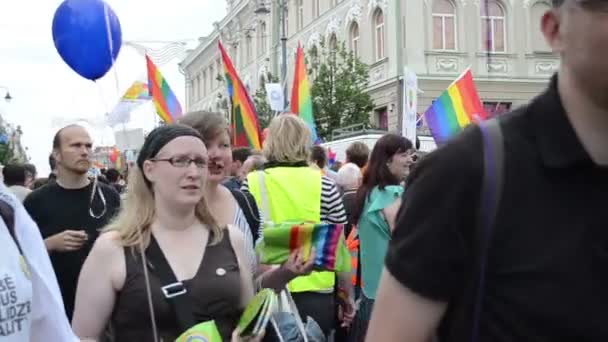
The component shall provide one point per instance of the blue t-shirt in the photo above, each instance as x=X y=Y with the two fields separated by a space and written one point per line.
x=374 y=234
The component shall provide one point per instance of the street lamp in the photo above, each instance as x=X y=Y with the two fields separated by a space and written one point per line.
x=262 y=7
x=8 y=96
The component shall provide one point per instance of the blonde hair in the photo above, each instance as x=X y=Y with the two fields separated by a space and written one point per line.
x=288 y=139
x=138 y=211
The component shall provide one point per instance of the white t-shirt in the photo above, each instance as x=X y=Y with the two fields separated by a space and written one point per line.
x=31 y=307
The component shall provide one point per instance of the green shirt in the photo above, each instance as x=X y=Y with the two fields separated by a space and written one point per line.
x=375 y=234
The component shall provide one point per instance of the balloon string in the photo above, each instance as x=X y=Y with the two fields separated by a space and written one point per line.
x=111 y=47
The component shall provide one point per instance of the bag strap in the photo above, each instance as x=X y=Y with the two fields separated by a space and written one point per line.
x=264 y=196
x=7 y=212
x=491 y=194
x=250 y=209
x=174 y=291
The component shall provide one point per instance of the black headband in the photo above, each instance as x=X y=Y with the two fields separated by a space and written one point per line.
x=160 y=137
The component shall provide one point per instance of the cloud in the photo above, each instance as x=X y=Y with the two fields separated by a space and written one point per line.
x=44 y=87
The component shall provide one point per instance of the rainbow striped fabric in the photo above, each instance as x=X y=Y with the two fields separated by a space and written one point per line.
x=331 y=253
x=455 y=109
x=301 y=101
x=245 y=125
x=137 y=91
x=165 y=101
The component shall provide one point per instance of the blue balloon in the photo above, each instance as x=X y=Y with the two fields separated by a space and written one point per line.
x=88 y=37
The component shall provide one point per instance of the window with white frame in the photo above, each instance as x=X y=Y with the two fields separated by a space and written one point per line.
x=493 y=26
x=379 y=34
x=203 y=84
x=211 y=78
x=354 y=38
x=333 y=42
x=444 y=25
x=317 y=8
x=299 y=14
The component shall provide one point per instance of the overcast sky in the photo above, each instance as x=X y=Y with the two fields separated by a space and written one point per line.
x=45 y=90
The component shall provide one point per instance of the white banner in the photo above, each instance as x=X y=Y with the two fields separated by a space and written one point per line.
x=410 y=105
x=276 y=98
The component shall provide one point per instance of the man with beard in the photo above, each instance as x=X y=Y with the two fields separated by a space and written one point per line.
x=533 y=266
x=70 y=211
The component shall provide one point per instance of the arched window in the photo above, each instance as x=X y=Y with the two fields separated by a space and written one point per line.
x=211 y=78
x=379 y=34
x=333 y=42
x=539 y=44
x=354 y=38
x=262 y=39
x=493 y=26
x=444 y=25
x=248 y=48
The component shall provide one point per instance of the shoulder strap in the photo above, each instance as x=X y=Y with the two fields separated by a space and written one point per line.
x=250 y=209
x=173 y=290
x=491 y=194
x=264 y=197
x=7 y=212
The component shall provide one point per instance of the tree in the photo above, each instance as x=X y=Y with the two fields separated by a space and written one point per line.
x=339 y=80
x=260 y=100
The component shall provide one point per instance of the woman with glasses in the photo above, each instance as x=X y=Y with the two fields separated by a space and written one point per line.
x=165 y=232
x=377 y=202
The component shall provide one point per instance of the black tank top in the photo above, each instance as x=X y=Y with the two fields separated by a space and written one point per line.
x=215 y=292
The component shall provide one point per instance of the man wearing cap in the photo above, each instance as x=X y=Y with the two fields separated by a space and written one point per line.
x=71 y=210
x=536 y=271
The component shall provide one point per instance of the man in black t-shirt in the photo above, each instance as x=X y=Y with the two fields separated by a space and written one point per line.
x=71 y=211
x=546 y=273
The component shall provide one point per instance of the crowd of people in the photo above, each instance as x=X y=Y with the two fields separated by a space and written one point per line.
x=497 y=236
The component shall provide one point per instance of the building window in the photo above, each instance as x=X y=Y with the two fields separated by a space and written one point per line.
x=379 y=34
x=248 y=48
x=496 y=108
x=493 y=26
x=444 y=25
x=317 y=8
x=211 y=78
x=539 y=44
x=220 y=73
x=203 y=88
x=333 y=42
x=354 y=38
x=262 y=39
x=381 y=118
x=300 y=14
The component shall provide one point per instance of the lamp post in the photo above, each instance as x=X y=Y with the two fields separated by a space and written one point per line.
x=8 y=96
x=263 y=8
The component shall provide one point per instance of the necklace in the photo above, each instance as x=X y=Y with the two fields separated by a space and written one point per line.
x=103 y=201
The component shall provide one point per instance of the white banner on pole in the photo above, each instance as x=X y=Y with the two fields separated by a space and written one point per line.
x=410 y=104
x=276 y=98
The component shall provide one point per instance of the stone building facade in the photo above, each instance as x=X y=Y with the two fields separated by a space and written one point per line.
x=500 y=40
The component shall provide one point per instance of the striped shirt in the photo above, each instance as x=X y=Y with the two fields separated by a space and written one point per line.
x=332 y=207
x=241 y=223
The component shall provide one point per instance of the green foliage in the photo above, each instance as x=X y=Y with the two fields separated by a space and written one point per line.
x=338 y=82
x=260 y=100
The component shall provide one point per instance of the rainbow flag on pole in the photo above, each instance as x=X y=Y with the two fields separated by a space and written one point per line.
x=166 y=103
x=301 y=101
x=244 y=119
x=455 y=109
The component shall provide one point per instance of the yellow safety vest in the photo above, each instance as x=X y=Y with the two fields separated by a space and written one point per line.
x=294 y=195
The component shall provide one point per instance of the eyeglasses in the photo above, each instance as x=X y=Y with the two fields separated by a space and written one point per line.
x=595 y=5
x=184 y=161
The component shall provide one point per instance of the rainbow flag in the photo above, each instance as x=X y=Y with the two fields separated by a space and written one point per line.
x=327 y=239
x=137 y=91
x=166 y=103
x=455 y=109
x=244 y=119
x=301 y=101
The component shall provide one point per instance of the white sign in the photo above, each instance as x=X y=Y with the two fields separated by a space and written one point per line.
x=276 y=98
x=410 y=105
x=129 y=139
